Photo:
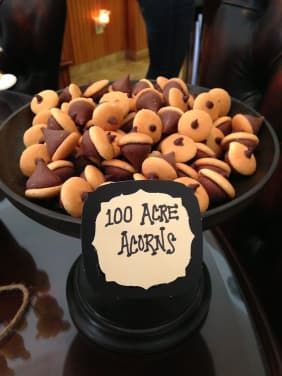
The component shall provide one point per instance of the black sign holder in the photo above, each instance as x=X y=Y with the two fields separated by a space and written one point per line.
x=133 y=319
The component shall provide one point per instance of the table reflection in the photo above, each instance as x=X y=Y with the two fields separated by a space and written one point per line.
x=85 y=359
x=41 y=258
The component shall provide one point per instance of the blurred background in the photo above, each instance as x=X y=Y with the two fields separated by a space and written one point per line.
x=90 y=53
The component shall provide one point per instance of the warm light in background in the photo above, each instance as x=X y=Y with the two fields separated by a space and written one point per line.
x=101 y=20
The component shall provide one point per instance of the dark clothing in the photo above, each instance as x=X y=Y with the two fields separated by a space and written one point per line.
x=242 y=53
x=248 y=64
x=169 y=24
x=31 y=35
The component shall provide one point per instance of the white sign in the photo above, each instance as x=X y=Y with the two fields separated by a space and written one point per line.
x=143 y=239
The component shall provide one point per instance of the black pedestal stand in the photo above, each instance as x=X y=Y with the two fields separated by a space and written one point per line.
x=107 y=334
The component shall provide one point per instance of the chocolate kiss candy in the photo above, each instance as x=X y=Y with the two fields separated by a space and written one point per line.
x=215 y=192
x=42 y=177
x=149 y=99
x=113 y=173
x=224 y=124
x=53 y=124
x=117 y=170
x=172 y=84
x=87 y=148
x=65 y=173
x=96 y=90
x=53 y=139
x=81 y=112
x=170 y=121
x=69 y=92
x=65 y=95
x=63 y=169
x=141 y=85
x=136 y=153
x=217 y=186
x=170 y=158
x=127 y=123
x=135 y=147
x=122 y=85
x=255 y=121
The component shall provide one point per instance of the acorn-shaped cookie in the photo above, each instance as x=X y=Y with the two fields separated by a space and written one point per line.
x=213 y=164
x=161 y=82
x=123 y=85
x=222 y=99
x=177 y=99
x=148 y=122
x=241 y=159
x=247 y=123
x=224 y=123
x=44 y=100
x=69 y=92
x=41 y=117
x=203 y=151
x=135 y=147
x=141 y=85
x=60 y=143
x=59 y=120
x=248 y=139
x=160 y=167
x=43 y=183
x=119 y=99
x=175 y=83
x=137 y=176
x=33 y=135
x=86 y=152
x=149 y=99
x=62 y=168
x=96 y=90
x=184 y=147
x=93 y=176
x=184 y=170
x=81 y=111
x=29 y=157
x=170 y=116
x=107 y=116
x=117 y=170
x=73 y=194
x=95 y=145
x=217 y=186
x=114 y=137
x=190 y=102
x=195 y=124
x=205 y=102
x=127 y=122
x=198 y=190
x=214 y=140
x=176 y=93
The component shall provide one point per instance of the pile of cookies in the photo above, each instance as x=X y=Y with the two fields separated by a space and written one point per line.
x=114 y=131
